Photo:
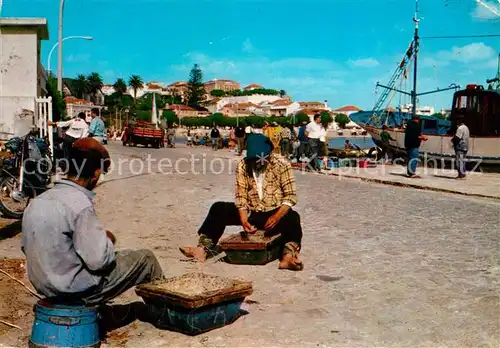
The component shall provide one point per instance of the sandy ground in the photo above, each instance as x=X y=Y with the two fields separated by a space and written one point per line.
x=385 y=266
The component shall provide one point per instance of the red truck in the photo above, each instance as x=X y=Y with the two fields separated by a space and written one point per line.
x=143 y=133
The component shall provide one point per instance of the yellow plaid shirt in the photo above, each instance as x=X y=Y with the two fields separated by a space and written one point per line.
x=279 y=187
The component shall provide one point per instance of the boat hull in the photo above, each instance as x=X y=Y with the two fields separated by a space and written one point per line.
x=485 y=150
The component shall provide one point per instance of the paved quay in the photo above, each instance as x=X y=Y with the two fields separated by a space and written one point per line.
x=384 y=265
x=485 y=185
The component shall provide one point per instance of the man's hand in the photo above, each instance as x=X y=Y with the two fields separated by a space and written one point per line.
x=111 y=237
x=423 y=138
x=276 y=217
x=248 y=227
x=272 y=222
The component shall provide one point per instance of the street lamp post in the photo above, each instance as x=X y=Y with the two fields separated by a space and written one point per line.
x=57 y=44
x=60 y=55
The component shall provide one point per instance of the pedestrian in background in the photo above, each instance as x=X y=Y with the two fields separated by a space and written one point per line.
x=314 y=132
x=461 y=145
x=215 y=135
x=413 y=139
x=96 y=129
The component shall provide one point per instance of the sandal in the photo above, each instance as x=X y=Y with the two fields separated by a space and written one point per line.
x=290 y=258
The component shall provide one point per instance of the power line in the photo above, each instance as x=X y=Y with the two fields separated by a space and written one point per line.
x=460 y=36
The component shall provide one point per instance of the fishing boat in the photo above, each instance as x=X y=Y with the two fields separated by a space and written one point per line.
x=480 y=107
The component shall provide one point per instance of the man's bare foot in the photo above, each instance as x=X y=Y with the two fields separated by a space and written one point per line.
x=291 y=263
x=197 y=253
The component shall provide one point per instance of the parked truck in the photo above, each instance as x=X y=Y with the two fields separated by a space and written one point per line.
x=143 y=133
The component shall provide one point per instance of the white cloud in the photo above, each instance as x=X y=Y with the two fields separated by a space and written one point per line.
x=469 y=53
x=78 y=58
x=248 y=46
x=364 y=63
x=486 y=10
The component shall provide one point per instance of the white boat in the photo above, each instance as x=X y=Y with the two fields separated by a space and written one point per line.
x=480 y=108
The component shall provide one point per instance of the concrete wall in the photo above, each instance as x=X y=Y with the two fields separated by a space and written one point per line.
x=19 y=76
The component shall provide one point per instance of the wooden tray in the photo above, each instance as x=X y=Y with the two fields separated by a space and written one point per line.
x=207 y=290
x=243 y=241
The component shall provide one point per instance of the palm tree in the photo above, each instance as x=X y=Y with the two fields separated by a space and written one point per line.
x=120 y=86
x=81 y=86
x=95 y=85
x=135 y=82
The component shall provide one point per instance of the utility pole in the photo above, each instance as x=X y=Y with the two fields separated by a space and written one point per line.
x=60 y=52
x=416 y=19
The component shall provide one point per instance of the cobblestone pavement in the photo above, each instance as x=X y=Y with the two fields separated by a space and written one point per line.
x=384 y=266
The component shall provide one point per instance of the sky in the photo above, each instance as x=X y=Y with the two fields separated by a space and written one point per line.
x=316 y=50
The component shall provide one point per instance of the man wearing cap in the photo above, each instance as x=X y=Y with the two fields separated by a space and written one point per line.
x=264 y=197
x=70 y=256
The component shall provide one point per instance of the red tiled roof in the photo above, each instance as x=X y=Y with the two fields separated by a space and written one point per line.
x=349 y=108
x=153 y=86
x=253 y=86
x=180 y=107
x=311 y=103
x=282 y=102
x=73 y=100
x=178 y=84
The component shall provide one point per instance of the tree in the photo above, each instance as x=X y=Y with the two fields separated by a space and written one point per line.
x=282 y=93
x=135 y=82
x=196 y=90
x=326 y=117
x=120 y=86
x=439 y=115
x=58 y=103
x=342 y=120
x=95 y=84
x=81 y=86
x=170 y=117
x=301 y=117
x=217 y=93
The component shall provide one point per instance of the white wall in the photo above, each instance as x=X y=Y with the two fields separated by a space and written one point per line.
x=19 y=66
x=256 y=99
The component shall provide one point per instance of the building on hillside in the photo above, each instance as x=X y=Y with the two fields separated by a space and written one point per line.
x=252 y=87
x=280 y=107
x=347 y=110
x=74 y=106
x=314 y=105
x=22 y=76
x=182 y=110
x=223 y=85
x=254 y=99
x=242 y=109
x=177 y=89
x=214 y=105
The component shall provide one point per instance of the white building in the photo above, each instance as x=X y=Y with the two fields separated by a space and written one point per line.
x=422 y=110
x=254 y=99
x=22 y=77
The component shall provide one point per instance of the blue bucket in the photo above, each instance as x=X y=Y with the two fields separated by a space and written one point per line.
x=64 y=326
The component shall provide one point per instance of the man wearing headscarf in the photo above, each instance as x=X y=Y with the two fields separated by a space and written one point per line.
x=264 y=197
x=70 y=256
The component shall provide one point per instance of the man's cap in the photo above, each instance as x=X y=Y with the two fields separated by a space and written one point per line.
x=258 y=146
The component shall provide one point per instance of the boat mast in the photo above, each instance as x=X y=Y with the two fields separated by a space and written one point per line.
x=416 y=19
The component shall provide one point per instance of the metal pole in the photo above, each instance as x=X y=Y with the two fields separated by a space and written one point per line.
x=60 y=54
x=415 y=68
x=57 y=44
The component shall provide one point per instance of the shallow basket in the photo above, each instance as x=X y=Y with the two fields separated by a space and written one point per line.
x=251 y=249
x=195 y=303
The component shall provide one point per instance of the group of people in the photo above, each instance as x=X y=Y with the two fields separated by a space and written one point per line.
x=71 y=257
x=78 y=128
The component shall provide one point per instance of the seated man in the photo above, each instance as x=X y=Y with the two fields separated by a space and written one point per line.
x=265 y=195
x=69 y=254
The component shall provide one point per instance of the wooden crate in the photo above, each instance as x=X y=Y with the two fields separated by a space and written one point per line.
x=212 y=301
x=251 y=249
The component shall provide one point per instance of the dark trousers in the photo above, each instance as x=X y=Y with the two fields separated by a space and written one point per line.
x=132 y=267
x=285 y=147
x=303 y=150
x=67 y=144
x=224 y=214
x=315 y=145
x=241 y=144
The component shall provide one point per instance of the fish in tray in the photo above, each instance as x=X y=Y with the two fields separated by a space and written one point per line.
x=197 y=302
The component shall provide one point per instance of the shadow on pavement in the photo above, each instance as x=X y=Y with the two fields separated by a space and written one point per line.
x=11 y=230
